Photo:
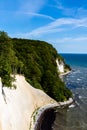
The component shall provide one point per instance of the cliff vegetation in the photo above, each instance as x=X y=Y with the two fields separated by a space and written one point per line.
x=34 y=59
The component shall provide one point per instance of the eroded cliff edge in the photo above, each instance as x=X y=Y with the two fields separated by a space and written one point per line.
x=21 y=103
x=15 y=113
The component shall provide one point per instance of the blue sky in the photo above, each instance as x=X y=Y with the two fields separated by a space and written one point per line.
x=63 y=23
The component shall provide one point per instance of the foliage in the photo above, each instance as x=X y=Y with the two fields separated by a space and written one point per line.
x=8 y=61
x=36 y=60
x=67 y=67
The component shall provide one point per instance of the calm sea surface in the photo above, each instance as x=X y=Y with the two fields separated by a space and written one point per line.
x=75 y=117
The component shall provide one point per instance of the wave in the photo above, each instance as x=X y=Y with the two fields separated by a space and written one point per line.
x=72 y=106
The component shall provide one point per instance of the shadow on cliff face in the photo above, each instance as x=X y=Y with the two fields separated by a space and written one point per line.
x=46 y=120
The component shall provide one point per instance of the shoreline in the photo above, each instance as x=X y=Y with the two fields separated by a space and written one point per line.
x=37 y=117
x=66 y=73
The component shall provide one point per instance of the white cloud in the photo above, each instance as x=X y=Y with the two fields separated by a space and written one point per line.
x=81 y=12
x=70 y=44
x=30 y=5
x=65 y=10
x=31 y=9
x=76 y=12
x=58 y=25
x=39 y=15
x=73 y=40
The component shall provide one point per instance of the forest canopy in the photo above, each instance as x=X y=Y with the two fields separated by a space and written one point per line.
x=34 y=59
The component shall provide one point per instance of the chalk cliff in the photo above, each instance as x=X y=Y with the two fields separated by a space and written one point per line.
x=19 y=104
x=60 y=66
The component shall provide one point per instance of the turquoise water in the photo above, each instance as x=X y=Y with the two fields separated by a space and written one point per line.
x=75 y=117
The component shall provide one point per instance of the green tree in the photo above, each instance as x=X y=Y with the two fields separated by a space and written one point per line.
x=4 y=36
x=5 y=60
x=36 y=60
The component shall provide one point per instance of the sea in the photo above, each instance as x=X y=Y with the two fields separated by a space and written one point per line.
x=75 y=116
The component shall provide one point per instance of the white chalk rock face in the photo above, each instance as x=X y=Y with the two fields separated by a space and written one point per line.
x=18 y=104
x=60 y=66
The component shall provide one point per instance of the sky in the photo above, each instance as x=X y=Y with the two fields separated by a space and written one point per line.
x=62 y=23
